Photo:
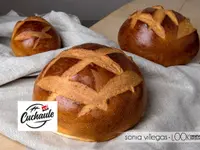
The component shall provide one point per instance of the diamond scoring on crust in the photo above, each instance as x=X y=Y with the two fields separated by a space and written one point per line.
x=155 y=22
x=29 y=34
x=78 y=92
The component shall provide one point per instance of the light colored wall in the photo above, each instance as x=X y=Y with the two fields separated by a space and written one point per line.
x=84 y=9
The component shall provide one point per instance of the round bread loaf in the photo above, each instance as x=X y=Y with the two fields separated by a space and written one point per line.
x=34 y=35
x=162 y=36
x=100 y=92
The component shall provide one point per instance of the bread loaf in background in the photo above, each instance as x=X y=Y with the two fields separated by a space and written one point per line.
x=34 y=35
x=162 y=36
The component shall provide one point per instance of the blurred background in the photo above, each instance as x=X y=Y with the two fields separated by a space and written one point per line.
x=88 y=11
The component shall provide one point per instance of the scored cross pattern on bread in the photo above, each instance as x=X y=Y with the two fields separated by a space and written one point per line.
x=154 y=21
x=122 y=81
x=36 y=34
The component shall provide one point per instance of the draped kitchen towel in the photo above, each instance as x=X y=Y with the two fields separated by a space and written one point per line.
x=173 y=92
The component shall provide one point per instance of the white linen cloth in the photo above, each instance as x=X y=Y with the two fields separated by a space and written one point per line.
x=173 y=92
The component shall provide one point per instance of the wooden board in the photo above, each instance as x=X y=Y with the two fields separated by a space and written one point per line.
x=109 y=26
x=7 y=144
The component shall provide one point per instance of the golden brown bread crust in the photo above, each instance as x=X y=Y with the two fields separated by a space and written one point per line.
x=34 y=35
x=123 y=112
x=162 y=36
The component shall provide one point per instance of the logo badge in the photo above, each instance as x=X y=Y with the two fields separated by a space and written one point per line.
x=37 y=116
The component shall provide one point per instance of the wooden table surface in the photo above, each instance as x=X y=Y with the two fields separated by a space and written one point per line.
x=110 y=25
